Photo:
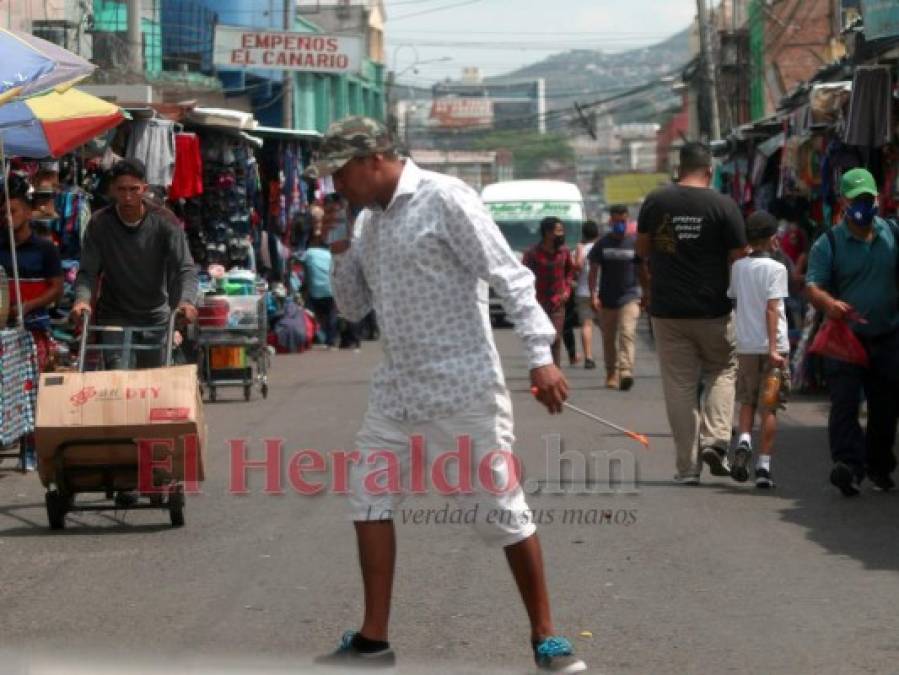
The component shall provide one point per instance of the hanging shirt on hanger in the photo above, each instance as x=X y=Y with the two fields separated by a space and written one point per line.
x=187 y=180
x=153 y=143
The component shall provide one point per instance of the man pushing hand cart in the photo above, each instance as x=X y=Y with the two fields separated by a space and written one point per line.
x=128 y=433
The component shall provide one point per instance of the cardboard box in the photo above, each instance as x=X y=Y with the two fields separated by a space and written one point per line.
x=160 y=403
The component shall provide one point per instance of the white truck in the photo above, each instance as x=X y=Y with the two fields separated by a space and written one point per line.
x=518 y=206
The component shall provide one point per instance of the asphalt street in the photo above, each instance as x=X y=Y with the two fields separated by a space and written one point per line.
x=646 y=577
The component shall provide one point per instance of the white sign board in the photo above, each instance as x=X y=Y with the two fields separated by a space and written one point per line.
x=242 y=48
x=535 y=211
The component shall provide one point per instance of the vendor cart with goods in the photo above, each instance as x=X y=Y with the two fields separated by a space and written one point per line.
x=232 y=339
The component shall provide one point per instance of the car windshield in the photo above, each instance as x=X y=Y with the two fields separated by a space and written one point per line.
x=522 y=234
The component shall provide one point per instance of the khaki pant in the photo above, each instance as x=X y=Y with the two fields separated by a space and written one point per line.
x=619 y=338
x=690 y=350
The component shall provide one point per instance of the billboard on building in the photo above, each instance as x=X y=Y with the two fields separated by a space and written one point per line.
x=515 y=105
x=241 y=48
x=461 y=112
x=881 y=18
x=632 y=188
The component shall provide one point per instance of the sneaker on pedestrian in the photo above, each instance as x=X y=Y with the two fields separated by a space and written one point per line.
x=556 y=655
x=686 y=479
x=883 y=482
x=354 y=654
x=612 y=381
x=589 y=364
x=742 y=457
x=845 y=479
x=763 y=479
x=717 y=461
x=626 y=383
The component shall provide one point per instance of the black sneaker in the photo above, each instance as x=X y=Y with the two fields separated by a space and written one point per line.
x=348 y=656
x=742 y=456
x=556 y=655
x=125 y=499
x=883 y=482
x=626 y=383
x=763 y=479
x=589 y=364
x=717 y=461
x=845 y=479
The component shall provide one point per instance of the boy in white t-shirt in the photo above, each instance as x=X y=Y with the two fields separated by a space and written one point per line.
x=759 y=285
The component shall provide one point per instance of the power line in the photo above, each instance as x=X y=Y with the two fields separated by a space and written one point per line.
x=435 y=9
x=545 y=33
x=561 y=112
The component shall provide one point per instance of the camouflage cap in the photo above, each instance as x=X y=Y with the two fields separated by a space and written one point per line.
x=346 y=139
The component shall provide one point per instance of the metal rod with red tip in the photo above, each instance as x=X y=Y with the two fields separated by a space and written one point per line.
x=640 y=438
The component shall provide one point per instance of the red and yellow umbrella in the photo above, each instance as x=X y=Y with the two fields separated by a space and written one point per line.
x=52 y=124
x=49 y=125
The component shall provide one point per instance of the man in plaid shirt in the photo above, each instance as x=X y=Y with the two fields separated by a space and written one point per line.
x=553 y=267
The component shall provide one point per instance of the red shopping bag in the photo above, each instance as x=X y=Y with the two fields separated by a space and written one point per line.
x=837 y=341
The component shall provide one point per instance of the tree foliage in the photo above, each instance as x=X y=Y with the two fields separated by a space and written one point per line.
x=533 y=154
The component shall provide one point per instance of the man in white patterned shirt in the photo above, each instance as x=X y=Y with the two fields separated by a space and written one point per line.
x=425 y=260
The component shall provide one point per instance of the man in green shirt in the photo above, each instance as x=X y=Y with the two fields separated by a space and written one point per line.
x=852 y=276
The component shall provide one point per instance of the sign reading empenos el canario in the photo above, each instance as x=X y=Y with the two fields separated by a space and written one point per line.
x=243 y=48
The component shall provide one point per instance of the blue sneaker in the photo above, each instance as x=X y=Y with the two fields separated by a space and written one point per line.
x=348 y=656
x=556 y=655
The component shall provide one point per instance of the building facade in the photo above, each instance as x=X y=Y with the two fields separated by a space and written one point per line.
x=788 y=42
x=63 y=22
x=177 y=46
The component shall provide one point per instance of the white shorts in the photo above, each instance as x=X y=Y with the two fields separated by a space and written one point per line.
x=500 y=519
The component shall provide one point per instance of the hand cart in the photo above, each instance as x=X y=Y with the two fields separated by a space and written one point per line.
x=110 y=479
x=233 y=344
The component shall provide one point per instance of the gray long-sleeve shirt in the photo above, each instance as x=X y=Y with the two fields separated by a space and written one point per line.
x=138 y=265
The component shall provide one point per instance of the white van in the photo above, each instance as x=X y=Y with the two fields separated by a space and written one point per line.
x=518 y=206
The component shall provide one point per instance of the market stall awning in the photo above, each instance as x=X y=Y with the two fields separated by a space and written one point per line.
x=53 y=124
x=296 y=134
x=223 y=118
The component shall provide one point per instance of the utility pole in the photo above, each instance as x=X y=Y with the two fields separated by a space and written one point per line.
x=287 y=86
x=708 y=66
x=135 y=39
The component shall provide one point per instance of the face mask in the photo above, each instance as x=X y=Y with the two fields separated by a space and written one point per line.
x=619 y=227
x=862 y=213
x=559 y=241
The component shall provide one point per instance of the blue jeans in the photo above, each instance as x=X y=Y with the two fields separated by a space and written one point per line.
x=870 y=450
x=138 y=359
x=326 y=314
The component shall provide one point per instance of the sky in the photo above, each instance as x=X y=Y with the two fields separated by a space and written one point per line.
x=430 y=40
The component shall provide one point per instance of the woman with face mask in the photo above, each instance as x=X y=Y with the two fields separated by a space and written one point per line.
x=553 y=268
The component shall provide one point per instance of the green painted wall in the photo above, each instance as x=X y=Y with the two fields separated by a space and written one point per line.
x=320 y=99
x=112 y=17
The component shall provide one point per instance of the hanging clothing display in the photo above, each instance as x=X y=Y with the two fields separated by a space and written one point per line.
x=871 y=107
x=73 y=207
x=187 y=180
x=18 y=385
x=153 y=143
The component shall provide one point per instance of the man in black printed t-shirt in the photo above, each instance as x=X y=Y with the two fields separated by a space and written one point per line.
x=688 y=236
